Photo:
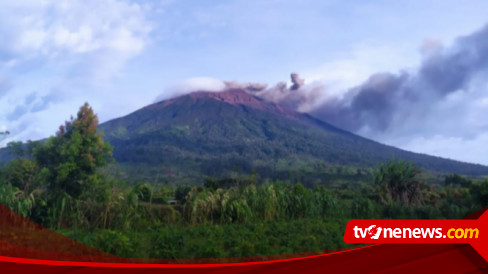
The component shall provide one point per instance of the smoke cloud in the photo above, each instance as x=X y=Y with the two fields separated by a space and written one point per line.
x=387 y=100
x=297 y=81
x=298 y=96
x=250 y=87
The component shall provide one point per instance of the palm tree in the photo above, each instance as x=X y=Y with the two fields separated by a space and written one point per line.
x=399 y=181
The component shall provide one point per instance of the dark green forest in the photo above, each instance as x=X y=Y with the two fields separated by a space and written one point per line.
x=68 y=183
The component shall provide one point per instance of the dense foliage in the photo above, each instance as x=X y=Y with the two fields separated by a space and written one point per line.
x=69 y=160
x=60 y=183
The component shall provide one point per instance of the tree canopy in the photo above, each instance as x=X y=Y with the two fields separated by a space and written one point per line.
x=399 y=181
x=69 y=159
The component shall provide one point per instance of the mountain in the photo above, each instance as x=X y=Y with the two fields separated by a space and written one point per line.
x=213 y=134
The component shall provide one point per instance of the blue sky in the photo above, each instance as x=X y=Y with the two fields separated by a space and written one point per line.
x=122 y=55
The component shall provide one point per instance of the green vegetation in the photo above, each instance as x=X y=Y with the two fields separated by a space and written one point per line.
x=64 y=183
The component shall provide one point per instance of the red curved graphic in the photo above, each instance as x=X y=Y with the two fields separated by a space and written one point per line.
x=27 y=246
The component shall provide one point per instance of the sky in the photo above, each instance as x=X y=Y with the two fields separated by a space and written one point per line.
x=408 y=73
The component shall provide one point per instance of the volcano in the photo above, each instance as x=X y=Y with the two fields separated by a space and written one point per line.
x=214 y=133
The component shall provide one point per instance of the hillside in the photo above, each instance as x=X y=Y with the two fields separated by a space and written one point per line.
x=212 y=134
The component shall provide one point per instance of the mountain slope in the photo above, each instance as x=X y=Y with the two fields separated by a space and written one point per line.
x=212 y=133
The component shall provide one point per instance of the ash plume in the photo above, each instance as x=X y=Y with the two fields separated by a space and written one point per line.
x=298 y=96
x=386 y=100
x=297 y=81
x=250 y=87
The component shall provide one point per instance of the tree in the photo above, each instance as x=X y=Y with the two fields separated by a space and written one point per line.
x=399 y=181
x=480 y=193
x=22 y=173
x=144 y=192
x=16 y=149
x=70 y=159
x=457 y=180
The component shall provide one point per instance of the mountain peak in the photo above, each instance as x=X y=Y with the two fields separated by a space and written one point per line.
x=230 y=96
x=234 y=96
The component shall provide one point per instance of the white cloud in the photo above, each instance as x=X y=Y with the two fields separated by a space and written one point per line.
x=66 y=52
x=191 y=85
x=56 y=28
